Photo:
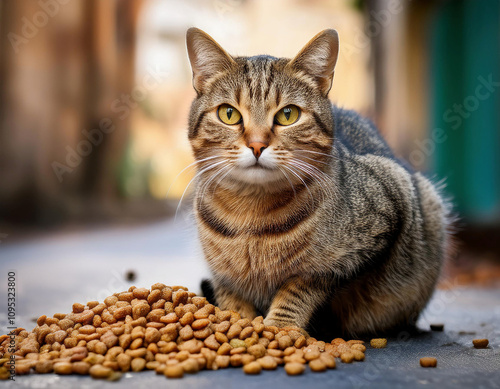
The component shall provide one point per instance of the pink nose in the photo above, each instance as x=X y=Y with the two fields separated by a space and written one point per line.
x=257 y=148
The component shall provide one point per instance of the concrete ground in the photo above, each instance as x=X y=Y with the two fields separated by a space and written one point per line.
x=54 y=271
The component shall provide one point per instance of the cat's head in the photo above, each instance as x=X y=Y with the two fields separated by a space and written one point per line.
x=262 y=120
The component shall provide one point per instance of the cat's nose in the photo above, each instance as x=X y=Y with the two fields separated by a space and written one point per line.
x=257 y=148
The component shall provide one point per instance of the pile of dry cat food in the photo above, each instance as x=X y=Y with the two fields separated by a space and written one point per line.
x=166 y=329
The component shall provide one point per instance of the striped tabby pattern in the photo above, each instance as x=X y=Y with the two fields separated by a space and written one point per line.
x=326 y=230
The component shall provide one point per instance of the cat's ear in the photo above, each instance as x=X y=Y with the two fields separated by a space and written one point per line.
x=318 y=58
x=206 y=56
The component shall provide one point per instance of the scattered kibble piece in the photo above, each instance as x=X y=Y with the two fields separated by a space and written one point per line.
x=378 y=343
x=169 y=330
x=328 y=360
x=480 y=343
x=428 y=362
x=174 y=371
x=294 y=368
x=317 y=365
x=63 y=368
x=100 y=371
x=347 y=357
x=268 y=363
x=359 y=347
x=358 y=355
x=437 y=327
x=252 y=368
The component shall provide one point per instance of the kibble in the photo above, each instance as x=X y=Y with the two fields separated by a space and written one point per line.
x=378 y=343
x=237 y=343
x=23 y=368
x=311 y=353
x=257 y=350
x=252 y=368
x=100 y=371
x=359 y=347
x=236 y=360
x=224 y=349
x=268 y=363
x=138 y=364
x=43 y=367
x=284 y=342
x=294 y=368
x=63 y=368
x=480 y=343
x=190 y=366
x=347 y=357
x=247 y=358
x=169 y=330
x=80 y=368
x=317 y=365
x=328 y=360
x=428 y=362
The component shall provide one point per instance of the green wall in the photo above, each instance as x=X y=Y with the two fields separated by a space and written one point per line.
x=465 y=58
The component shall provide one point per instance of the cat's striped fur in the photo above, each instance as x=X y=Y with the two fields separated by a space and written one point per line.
x=332 y=233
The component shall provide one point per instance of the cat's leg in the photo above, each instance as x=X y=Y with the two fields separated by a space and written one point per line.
x=295 y=302
x=227 y=299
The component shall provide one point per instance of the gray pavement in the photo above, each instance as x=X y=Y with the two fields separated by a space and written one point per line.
x=54 y=271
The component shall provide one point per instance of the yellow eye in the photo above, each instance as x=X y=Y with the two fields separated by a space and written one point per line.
x=288 y=115
x=228 y=114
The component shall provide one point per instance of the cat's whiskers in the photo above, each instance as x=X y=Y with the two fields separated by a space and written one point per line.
x=213 y=166
x=312 y=171
x=309 y=173
x=322 y=177
x=313 y=152
x=187 y=167
x=229 y=166
x=213 y=176
x=315 y=160
x=318 y=173
x=288 y=167
x=222 y=178
x=329 y=179
x=290 y=181
x=336 y=157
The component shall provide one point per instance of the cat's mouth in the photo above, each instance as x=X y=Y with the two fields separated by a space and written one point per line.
x=257 y=174
x=258 y=165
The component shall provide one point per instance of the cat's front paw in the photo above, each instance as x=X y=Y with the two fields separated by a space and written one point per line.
x=247 y=312
x=276 y=323
x=285 y=325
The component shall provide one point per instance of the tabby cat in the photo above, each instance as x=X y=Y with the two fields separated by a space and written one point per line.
x=304 y=214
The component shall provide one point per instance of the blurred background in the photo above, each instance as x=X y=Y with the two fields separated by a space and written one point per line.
x=94 y=97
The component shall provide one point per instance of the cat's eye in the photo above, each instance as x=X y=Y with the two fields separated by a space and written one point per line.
x=228 y=114
x=287 y=115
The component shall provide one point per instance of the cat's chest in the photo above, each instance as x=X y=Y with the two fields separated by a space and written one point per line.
x=255 y=250
x=253 y=257
x=255 y=267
